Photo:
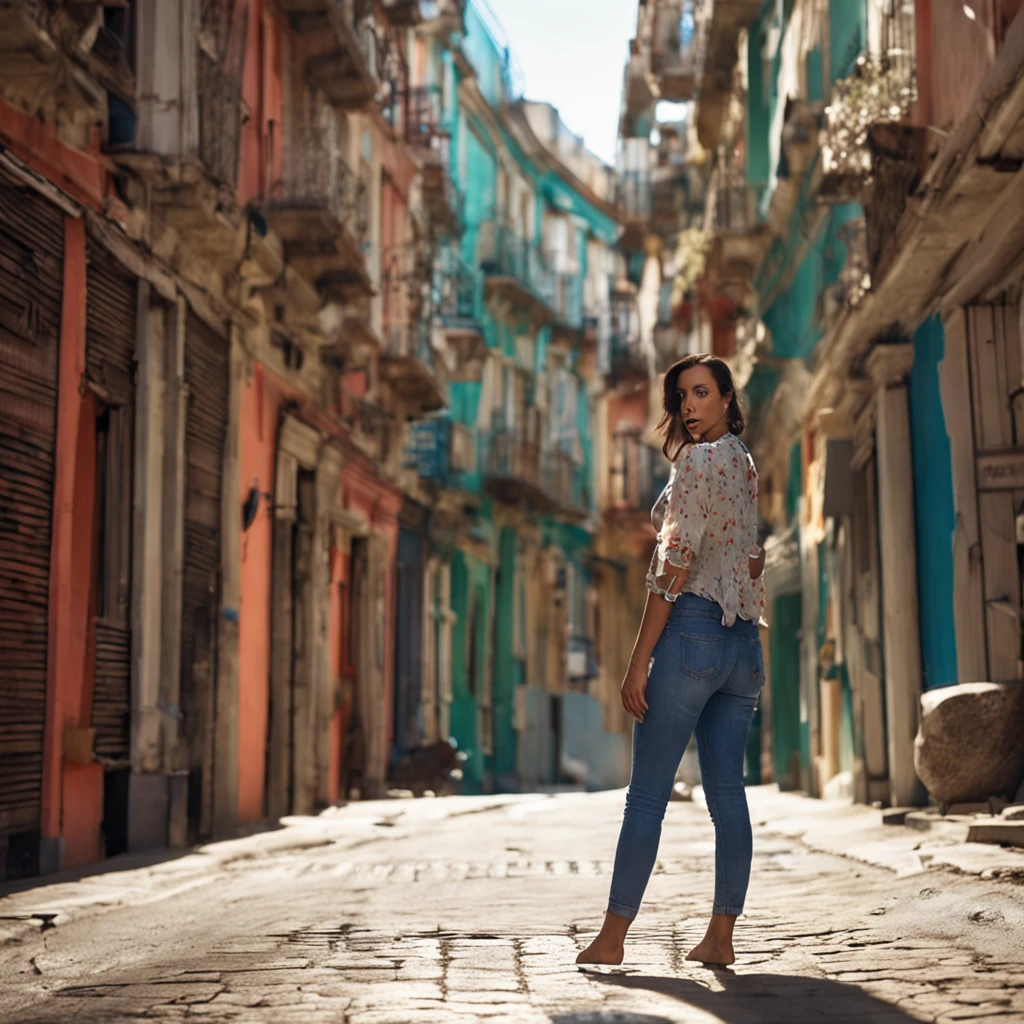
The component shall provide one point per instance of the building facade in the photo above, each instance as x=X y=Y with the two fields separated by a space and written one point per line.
x=861 y=241
x=306 y=349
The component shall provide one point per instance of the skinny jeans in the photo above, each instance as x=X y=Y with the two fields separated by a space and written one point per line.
x=704 y=677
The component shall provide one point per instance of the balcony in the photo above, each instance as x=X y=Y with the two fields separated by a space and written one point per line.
x=40 y=44
x=564 y=487
x=408 y=367
x=634 y=199
x=568 y=304
x=739 y=238
x=338 y=48
x=372 y=428
x=513 y=471
x=638 y=95
x=723 y=21
x=515 y=270
x=424 y=130
x=442 y=450
x=320 y=212
x=456 y=301
x=629 y=367
x=676 y=50
x=880 y=92
x=632 y=488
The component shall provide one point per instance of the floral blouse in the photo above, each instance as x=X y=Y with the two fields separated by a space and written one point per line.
x=706 y=520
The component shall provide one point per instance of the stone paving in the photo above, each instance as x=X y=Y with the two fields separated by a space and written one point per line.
x=473 y=909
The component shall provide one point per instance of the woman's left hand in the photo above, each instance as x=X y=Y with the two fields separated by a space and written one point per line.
x=634 y=687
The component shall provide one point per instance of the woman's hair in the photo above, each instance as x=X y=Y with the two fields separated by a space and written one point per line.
x=677 y=437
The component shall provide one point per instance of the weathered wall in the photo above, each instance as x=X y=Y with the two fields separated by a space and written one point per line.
x=261 y=403
x=606 y=755
x=262 y=150
x=955 y=52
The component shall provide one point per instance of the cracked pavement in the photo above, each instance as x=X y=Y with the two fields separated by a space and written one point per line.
x=468 y=909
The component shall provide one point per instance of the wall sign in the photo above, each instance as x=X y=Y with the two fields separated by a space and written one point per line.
x=1001 y=471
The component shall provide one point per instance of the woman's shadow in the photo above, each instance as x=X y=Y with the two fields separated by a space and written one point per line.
x=751 y=999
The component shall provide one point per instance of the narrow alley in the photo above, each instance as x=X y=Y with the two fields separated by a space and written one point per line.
x=473 y=908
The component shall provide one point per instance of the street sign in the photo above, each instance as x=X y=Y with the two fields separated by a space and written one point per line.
x=1001 y=471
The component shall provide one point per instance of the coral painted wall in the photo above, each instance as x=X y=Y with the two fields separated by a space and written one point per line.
x=261 y=402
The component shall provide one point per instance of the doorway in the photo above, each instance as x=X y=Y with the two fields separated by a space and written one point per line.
x=291 y=706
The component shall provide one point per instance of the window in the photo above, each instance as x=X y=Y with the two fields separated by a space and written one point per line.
x=113 y=514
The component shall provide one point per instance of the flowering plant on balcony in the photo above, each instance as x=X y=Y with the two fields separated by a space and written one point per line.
x=880 y=90
x=690 y=258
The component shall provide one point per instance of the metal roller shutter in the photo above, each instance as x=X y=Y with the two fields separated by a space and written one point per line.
x=206 y=377
x=110 y=365
x=31 y=278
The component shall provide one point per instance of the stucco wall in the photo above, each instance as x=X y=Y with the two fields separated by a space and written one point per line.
x=260 y=407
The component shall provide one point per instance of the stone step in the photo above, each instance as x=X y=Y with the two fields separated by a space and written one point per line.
x=1004 y=833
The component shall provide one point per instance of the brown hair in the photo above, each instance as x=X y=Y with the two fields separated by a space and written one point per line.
x=677 y=437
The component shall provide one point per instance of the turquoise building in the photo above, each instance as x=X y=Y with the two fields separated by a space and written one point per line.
x=522 y=289
x=817 y=487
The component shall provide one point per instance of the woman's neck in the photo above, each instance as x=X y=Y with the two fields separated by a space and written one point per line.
x=716 y=433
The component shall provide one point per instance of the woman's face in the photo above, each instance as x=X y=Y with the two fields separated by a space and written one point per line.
x=703 y=407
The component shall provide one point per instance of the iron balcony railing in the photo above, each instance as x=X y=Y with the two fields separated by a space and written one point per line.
x=424 y=116
x=316 y=176
x=511 y=455
x=735 y=203
x=219 y=91
x=626 y=359
x=677 y=50
x=456 y=292
x=631 y=477
x=568 y=290
x=372 y=425
x=505 y=253
x=633 y=194
x=409 y=341
x=564 y=482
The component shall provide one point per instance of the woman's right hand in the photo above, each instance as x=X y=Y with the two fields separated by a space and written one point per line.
x=633 y=689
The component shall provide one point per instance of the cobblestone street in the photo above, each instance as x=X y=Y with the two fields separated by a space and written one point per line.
x=474 y=909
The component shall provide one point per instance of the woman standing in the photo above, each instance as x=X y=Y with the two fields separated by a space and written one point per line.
x=700 y=627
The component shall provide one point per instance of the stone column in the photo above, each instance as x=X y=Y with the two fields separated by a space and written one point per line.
x=889 y=367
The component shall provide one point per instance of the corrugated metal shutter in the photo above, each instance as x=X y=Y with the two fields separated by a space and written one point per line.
x=31 y=276
x=206 y=377
x=111 y=303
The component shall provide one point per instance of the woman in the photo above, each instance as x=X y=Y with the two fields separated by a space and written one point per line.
x=700 y=626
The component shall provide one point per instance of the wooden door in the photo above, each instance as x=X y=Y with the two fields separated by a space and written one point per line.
x=998 y=419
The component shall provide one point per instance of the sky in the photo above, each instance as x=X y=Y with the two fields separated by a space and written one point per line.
x=572 y=54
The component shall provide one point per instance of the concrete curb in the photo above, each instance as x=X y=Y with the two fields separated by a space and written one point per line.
x=857 y=832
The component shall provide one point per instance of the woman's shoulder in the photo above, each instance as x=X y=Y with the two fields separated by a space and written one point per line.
x=727 y=450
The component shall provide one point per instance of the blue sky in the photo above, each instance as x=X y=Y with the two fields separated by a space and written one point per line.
x=572 y=54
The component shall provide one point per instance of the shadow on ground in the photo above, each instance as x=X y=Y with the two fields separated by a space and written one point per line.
x=127 y=862
x=751 y=999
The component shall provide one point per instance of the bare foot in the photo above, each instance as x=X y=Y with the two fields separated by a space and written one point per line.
x=602 y=951
x=714 y=952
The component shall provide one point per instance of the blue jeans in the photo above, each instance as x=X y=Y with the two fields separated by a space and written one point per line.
x=707 y=677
